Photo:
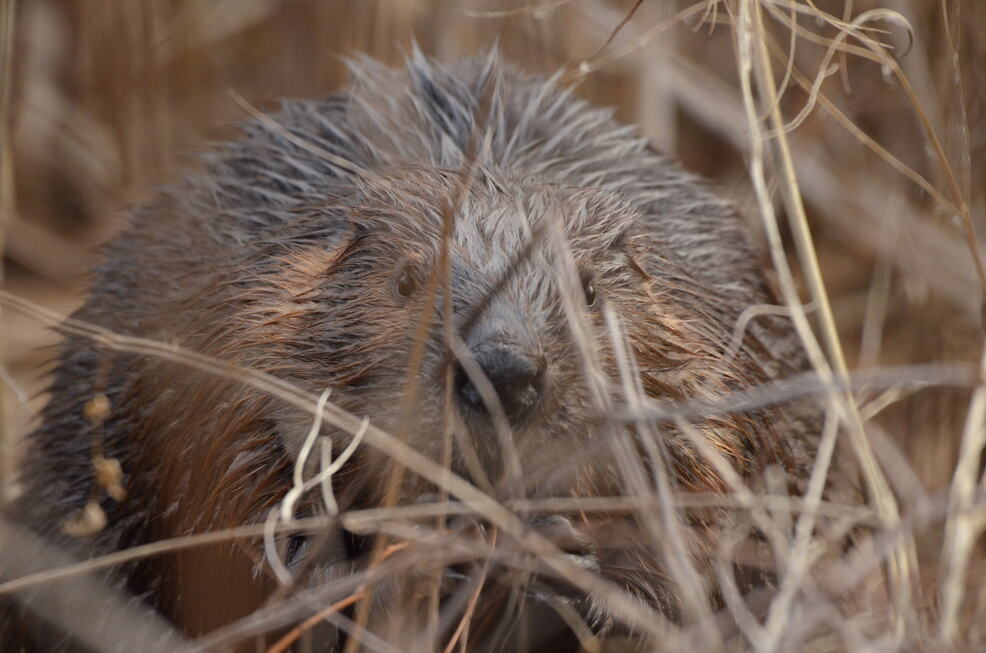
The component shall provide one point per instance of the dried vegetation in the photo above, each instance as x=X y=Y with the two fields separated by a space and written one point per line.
x=852 y=133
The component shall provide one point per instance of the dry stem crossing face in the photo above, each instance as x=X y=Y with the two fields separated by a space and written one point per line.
x=482 y=265
x=503 y=325
x=477 y=305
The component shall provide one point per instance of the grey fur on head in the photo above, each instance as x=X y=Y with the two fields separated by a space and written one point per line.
x=309 y=256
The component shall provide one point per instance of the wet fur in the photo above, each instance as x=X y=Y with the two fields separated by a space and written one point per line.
x=284 y=260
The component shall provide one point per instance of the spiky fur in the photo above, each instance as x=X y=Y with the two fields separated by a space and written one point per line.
x=282 y=259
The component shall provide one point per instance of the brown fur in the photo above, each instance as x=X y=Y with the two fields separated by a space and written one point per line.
x=266 y=264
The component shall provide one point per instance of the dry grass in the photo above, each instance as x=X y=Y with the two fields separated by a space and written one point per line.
x=853 y=133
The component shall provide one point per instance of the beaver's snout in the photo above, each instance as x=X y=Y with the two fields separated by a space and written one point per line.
x=517 y=377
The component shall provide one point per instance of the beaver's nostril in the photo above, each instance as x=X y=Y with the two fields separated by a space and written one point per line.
x=466 y=393
x=517 y=378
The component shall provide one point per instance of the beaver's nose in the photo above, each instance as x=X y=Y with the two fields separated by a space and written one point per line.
x=518 y=379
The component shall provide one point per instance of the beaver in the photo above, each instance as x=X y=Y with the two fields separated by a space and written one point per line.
x=483 y=265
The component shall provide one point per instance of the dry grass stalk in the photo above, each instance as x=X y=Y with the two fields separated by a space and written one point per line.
x=833 y=193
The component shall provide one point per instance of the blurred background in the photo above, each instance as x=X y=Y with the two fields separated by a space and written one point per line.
x=103 y=99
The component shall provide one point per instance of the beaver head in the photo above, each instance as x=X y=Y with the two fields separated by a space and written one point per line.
x=499 y=323
x=487 y=298
x=480 y=264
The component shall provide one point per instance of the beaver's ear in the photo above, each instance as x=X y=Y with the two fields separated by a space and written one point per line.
x=348 y=242
x=301 y=265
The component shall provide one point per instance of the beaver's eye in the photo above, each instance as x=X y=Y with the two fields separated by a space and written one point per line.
x=589 y=288
x=405 y=283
